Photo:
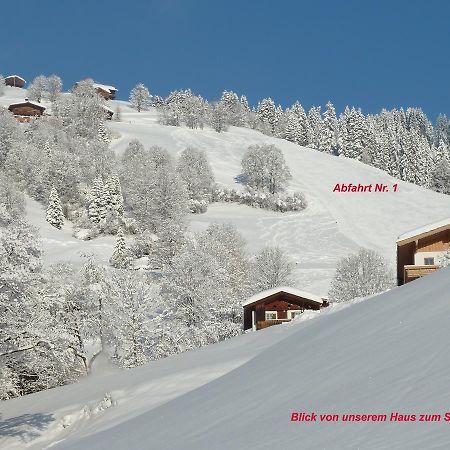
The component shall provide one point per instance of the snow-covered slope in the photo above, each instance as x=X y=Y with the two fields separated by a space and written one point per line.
x=334 y=224
x=386 y=354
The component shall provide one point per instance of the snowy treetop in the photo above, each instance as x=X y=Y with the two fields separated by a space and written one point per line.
x=288 y=290
x=424 y=229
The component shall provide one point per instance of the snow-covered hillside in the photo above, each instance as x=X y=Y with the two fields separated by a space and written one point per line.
x=334 y=224
x=380 y=356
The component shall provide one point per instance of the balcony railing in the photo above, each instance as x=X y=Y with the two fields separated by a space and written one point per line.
x=268 y=323
x=412 y=272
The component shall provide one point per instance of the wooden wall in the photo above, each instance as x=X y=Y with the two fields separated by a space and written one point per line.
x=435 y=243
x=26 y=110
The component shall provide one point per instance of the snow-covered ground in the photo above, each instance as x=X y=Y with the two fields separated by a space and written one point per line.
x=380 y=356
x=334 y=224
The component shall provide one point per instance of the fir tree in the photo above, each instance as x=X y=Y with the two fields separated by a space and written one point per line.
x=121 y=255
x=55 y=214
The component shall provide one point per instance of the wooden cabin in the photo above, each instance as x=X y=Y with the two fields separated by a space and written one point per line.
x=107 y=92
x=26 y=110
x=15 y=81
x=278 y=305
x=419 y=251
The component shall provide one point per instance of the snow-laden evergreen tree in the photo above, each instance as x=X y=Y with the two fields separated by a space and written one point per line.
x=265 y=168
x=271 y=268
x=293 y=130
x=96 y=210
x=2 y=85
x=115 y=191
x=196 y=174
x=132 y=302
x=37 y=88
x=353 y=131
x=440 y=176
x=54 y=215
x=328 y=135
x=140 y=97
x=121 y=257
x=359 y=275
x=442 y=130
x=315 y=127
x=267 y=113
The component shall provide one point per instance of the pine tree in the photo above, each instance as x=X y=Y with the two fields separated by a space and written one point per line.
x=328 y=135
x=267 y=113
x=95 y=207
x=293 y=131
x=55 y=214
x=121 y=255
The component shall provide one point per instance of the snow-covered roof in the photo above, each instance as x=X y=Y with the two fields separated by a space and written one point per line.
x=105 y=87
x=107 y=109
x=28 y=102
x=424 y=229
x=15 y=76
x=287 y=289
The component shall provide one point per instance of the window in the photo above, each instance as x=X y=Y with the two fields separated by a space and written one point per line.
x=428 y=261
x=292 y=314
x=271 y=315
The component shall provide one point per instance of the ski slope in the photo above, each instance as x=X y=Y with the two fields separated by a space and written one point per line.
x=333 y=225
x=382 y=355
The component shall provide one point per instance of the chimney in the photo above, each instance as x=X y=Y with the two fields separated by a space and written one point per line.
x=26 y=99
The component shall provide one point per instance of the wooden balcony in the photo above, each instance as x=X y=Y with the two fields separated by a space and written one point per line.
x=412 y=272
x=268 y=323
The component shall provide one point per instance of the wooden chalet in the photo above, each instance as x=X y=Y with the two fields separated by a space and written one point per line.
x=26 y=110
x=15 y=81
x=107 y=92
x=278 y=305
x=419 y=251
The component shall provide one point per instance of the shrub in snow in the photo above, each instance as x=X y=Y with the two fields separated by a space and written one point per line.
x=281 y=202
x=360 y=275
x=54 y=214
x=197 y=206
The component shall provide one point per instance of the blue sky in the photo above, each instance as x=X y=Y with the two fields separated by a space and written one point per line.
x=371 y=54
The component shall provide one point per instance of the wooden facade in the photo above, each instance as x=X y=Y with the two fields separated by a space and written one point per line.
x=418 y=254
x=26 y=110
x=15 y=81
x=105 y=93
x=276 y=307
